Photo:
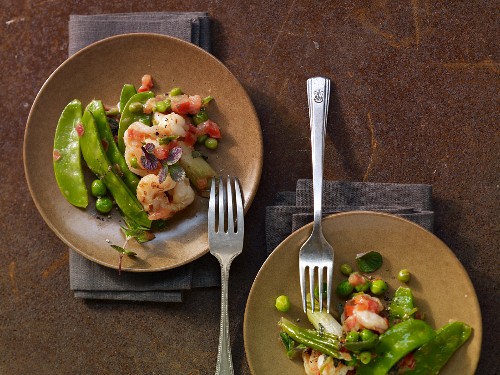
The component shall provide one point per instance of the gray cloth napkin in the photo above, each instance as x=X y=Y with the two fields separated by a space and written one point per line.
x=293 y=209
x=91 y=280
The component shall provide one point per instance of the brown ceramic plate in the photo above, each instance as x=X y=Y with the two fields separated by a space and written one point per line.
x=99 y=71
x=441 y=287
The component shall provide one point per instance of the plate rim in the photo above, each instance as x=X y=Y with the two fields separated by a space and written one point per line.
x=249 y=197
x=308 y=226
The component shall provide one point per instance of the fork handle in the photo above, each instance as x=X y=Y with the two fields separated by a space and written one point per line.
x=318 y=95
x=224 y=359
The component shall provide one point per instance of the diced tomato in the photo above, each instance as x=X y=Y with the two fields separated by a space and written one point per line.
x=190 y=139
x=184 y=104
x=146 y=83
x=407 y=362
x=56 y=155
x=356 y=279
x=105 y=144
x=161 y=152
x=180 y=104
x=79 y=129
x=208 y=127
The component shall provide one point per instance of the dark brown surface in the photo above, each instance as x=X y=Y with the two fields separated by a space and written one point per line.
x=415 y=100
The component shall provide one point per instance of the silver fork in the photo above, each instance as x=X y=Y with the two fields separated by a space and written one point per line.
x=225 y=240
x=316 y=252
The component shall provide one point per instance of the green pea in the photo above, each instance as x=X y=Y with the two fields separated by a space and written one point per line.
x=202 y=138
x=161 y=106
x=346 y=269
x=200 y=117
x=175 y=91
x=282 y=303
x=135 y=107
x=98 y=188
x=404 y=275
x=103 y=205
x=316 y=291
x=133 y=162
x=378 y=286
x=352 y=336
x=344 y=289
x=365 y=357
x=362 y=287
x=211 y=143
x=367 y=335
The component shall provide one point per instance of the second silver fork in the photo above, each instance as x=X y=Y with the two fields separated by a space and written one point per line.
x=225 y=240
x=316 y=253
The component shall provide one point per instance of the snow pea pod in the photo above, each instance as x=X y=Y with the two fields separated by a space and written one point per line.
x=395 y=343
x=114 y=155
x=95 y=156
x=128 y=117
x=66 y=156
x=128 y=91
x=434 y=354
x=402 y=306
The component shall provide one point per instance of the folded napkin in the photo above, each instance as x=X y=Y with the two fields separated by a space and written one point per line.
x=293 y=209
x=91 y=280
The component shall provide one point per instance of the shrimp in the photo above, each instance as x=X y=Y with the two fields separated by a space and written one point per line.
x=138 y=134
x=316 y=363
x=161 y=200
x=362 y=312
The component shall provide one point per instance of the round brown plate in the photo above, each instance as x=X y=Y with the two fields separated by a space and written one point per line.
x=442 y=288
x=100 y=71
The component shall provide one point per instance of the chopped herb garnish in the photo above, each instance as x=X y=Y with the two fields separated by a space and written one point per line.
x=369 y=262
x=177 y=173
x=206 y=100
x=148 y=159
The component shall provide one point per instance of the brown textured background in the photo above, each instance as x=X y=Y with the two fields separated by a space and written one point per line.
x=415 y=100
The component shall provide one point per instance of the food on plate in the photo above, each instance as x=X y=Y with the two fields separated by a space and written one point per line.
x=142 y=152
x=375 y=334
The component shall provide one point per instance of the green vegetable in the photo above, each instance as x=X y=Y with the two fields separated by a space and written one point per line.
x=367 y=335
x=352 y=336
x=365 y=357
x=346 y=269
x=211 y=143
x=363 y=287
x=202 y=138
x=360 y=345
x=135 y=107
x=404 y=275
x=140 y=233
x=175 y=91
x=291 y=346
x=324 y=342
x=402 y=306
x=324 y=291
x=282 y=303
x=128 y=91
x=434 y=354
x=197 y=170
x=369 y=262
x=66 y=154
x=103 y=205
x=378 y=287
x=128 y=117
x=98 y=189
x=344 y=289
x=206 y=100
x=113 y=111
x=321 y=320
x=95 y=156
x=200 y=117
x=161 y=106
x=395 y=343
x=114 y=155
